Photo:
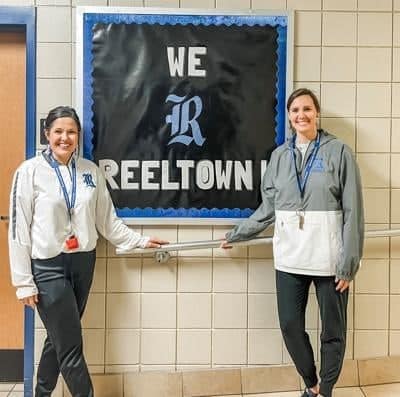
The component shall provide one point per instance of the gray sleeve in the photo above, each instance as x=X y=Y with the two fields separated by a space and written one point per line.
x=353 y=216
x=264 y=215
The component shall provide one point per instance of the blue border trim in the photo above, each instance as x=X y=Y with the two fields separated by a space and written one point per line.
x=183 y=212
x=87 y=87
x=90 y=19
x=181 y=19
x=25 y=17
x=281 y=85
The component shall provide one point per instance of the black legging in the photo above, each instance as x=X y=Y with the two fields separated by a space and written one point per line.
x=292 y=293
x=64 y=283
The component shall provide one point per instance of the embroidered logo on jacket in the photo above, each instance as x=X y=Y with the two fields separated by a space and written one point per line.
x=318 y=165
x=88 y=179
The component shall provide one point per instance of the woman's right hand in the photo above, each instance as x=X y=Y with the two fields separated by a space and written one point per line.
x=156 y=242
x=30 y=301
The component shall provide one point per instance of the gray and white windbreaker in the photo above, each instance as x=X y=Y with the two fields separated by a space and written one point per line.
x=331 y=240
x=39 y=221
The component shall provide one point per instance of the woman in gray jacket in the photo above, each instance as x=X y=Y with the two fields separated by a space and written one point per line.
x=311 y=191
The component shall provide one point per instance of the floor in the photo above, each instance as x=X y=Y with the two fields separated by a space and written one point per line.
x=390 y=390
x=11 y=390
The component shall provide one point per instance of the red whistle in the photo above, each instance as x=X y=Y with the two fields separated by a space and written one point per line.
x=72 y=243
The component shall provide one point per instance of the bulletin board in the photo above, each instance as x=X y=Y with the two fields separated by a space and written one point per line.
x=181 y=111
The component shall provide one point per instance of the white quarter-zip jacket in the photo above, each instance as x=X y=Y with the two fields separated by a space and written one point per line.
x=40 y=223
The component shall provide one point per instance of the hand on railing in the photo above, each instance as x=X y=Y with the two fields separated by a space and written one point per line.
x=225 y=245
x=155 y=242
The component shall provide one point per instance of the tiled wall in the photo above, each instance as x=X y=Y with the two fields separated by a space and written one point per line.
x=211 y=308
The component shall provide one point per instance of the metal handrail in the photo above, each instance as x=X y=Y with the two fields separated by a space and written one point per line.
x=382 y=233
x=162 y=254
x=190 y=245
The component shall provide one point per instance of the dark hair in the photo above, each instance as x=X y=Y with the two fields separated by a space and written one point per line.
x=59 y=112
x=300 y=92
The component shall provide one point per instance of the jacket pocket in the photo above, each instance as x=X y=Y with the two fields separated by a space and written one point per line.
x=315 y=248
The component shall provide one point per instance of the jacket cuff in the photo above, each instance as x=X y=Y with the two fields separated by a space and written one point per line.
x=349 y=274
x=344 y=276
x=231 y=236
x=25 y=292
x=143 y=241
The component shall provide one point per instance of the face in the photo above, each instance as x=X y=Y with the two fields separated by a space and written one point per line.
x=303 y=115
x=63 y=137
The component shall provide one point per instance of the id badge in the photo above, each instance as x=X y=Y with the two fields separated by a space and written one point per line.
x=72 y=243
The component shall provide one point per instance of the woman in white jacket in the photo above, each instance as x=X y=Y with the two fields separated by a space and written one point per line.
x=58 y=204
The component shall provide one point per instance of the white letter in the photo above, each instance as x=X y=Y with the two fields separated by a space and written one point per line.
x=166 y=184
x=126 y=174
x=147 y=174
x=176 y=64
x=193 y=61
x=243 y=174
x=205 y=174
x=109 y=168
x=184 y=165
x=263 y=167
x=223 y=177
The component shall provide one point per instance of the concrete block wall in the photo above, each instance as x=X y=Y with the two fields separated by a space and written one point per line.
x=209 y=308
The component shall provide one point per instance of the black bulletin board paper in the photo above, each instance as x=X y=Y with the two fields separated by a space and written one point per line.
x=183 y=117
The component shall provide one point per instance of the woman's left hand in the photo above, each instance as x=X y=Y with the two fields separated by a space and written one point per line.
x=225 y=245
x=30 y=301
x=341 y=285
x=155 y=242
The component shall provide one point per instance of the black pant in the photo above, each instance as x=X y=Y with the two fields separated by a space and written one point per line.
x=292 y=292
x=64 y=283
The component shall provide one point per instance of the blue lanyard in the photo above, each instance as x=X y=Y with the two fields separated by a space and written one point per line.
x=70 y=203
x=301 y=182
